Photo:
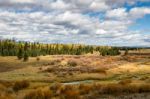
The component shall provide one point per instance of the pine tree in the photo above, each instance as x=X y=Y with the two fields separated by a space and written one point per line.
x=26 y=46
x=20 y=54
x=26 y=56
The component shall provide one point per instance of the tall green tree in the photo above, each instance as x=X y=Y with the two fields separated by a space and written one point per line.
x=20 y=53
x=26 y=56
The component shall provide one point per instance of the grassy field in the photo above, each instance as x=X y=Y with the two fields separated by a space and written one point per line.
x=76 y=77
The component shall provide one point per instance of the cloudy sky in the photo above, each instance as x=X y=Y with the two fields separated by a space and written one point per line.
x=98 y=22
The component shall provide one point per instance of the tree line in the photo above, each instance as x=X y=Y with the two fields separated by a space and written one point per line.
x=26 y=49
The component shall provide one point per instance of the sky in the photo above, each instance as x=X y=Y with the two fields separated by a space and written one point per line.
x=93 y=22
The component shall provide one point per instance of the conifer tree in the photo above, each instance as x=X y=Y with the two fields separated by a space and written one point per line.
x=26 y=56
x=20 y=54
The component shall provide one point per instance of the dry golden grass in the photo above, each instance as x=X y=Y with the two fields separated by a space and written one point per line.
x=76 y=91
x=5 y=93
x=6 y=96
x=39 y=94
x=107 y=75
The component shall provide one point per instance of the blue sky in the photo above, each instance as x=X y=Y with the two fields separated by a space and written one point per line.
x=142 y=24
x=97 y=22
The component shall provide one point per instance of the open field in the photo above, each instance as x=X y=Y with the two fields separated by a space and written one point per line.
x=74 y=49
x=76 y=77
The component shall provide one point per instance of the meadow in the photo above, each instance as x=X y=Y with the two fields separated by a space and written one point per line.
x=89 y=76
x=74 y=49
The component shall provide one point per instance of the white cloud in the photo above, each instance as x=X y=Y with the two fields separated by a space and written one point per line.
x=99 y=6
x=60 y=5
x=133 y=14
x=22 y=1
x=67 y=21
x=119 y=13
x=139 y=12
x=100 y=31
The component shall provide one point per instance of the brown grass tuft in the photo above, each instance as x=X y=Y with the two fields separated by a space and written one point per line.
x=6 y=96
x=125 y=82
x=72 y=63
x=20 y=85
x=38 y=58
x=55 y=88
x=111 y=89
x=70 y=92
x=39 y=94
x=85 y=88
x=100 y=70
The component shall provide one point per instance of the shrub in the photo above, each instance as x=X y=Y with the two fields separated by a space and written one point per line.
x=70 y=92
x=136 y=88
x=144 y=88
x=77 y=57
x=100 y=70
x=130 y=88
x=125 y=82
x=20 y=85
x=111 y=89
x=119 y=89
x=55 y=87
x=6 y=96
x=85 y=88
x=97 y=86
x=72 y=63
x=144 y=78
x=49 y=70
x=5 y=92
x=39 y=94
x=38 y=58
x=54 y=62
x=126 y=52
x=2 y=87
x=6 y=84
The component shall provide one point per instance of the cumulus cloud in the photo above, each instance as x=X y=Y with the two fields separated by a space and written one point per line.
x=68 y=21
x=22 y=1
x=119 y=13
x=139 y=12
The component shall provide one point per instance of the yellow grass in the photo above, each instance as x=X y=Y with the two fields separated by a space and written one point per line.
x=122 y=70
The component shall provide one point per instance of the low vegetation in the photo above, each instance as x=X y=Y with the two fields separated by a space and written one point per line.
x=39 y=94
x=72 y=63
x=83 y=90
x=19 y=85
x=75 y=77
x=125 y=82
